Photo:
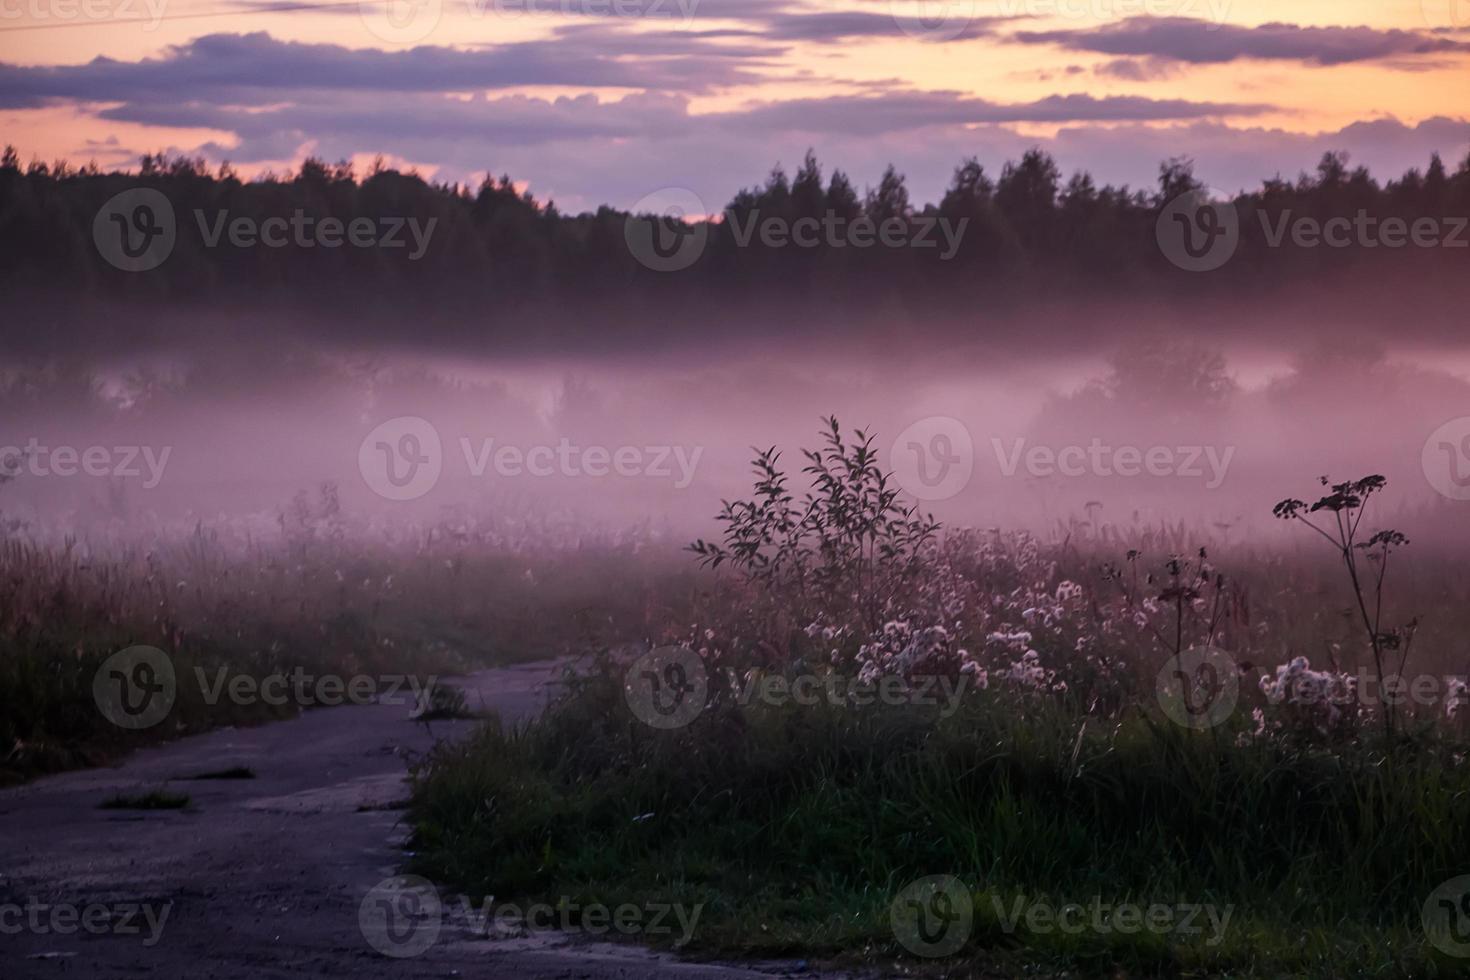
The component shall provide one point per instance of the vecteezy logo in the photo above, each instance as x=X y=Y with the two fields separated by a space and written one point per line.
x=667 y=687
x=932 y=916
x=1198 y=688
x=401 y=917
x=659 y=231
x=1446 y=459
x=1446 y=916
x=934 y=458
x=1441 y=14
x=933 y=20
x=135 y=230
x=1197 y=231
x=135 y=688
x=402 y=458
x=401 y=21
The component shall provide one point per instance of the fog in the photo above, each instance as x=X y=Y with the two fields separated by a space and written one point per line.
x=1139 y=430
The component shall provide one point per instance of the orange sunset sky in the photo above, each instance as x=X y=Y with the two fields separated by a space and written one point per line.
x=592 y=101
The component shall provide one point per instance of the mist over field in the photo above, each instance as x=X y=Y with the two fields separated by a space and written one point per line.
x=1027 y=352
x=728 y=489
x=1162 y=427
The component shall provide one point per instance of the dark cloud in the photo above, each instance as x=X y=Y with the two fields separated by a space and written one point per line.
x=586 y=151
x=407 y=120
x=222 y=81
x=1139 y=69
x=519 y=120
x=647 y=10
x=780 y=20
x=255 y=69
x=1206 y=42
x=849 y=24
x=279 y=100
x=904 y=111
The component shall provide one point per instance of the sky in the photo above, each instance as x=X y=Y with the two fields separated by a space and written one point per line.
x=589 y=102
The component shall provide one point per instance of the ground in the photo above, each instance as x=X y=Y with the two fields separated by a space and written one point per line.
x=266 y=876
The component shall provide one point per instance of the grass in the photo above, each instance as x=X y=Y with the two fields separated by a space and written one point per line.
x=1315 y=834
x=797 y=828
x=443 y=703
x=234 y=772
x=323 y=594
x=157 y=799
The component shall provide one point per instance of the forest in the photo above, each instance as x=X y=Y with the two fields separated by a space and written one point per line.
x=494 y=254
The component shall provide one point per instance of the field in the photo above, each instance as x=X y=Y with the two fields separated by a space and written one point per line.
x=805 y=488
x=305 y=591
x=841 y=731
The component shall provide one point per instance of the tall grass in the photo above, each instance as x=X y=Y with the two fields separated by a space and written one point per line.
x=317 y=592
x=797 y=827
x=1058 y=775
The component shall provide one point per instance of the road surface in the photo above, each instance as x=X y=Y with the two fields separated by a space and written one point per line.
x=276 y=876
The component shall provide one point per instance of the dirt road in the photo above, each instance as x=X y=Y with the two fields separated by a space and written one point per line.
x=272 y=877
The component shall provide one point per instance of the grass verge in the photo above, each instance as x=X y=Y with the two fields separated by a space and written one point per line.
x=157 y=799
x=796 y=828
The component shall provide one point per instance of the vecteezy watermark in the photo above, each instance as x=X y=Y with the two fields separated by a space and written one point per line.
x=52 y=462
x=1446 y=459
x=834 y=230
x=403 y=459
x=1363 y=230
x=1441 y=14
x=933 y=916
x=491 y=919
x=836 y=690
x=682 y=10
x=667 y=687
x=1198 y=687
x=1198 y=231
x=667 y=231
x=137 y=688
x=1296 y=683
x=303 y=230
x=566 y=458
x=57 y=12
x=411 y=21
x=1099 y=459
x=401 y=917
x=934 y=20
x=136 y=231
x=405 y=916
x=1214 y=11
x=934 y=459
x=1446 y=917
x=305 y=689
x=400 y=21
x=93 y=918
x=1099 y=917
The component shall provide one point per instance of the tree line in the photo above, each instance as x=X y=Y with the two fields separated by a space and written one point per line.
x=496 y=250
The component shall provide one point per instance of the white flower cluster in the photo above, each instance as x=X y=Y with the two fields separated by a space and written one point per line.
x=903 y=650
x=1300 y=697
